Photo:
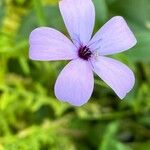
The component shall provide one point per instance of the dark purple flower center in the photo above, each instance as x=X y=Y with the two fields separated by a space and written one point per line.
x=84 y=52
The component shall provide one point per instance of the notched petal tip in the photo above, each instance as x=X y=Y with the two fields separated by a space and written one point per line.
x=34 y=31
x=132 y=83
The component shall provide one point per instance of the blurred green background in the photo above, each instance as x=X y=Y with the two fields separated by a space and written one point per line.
x=31 y=118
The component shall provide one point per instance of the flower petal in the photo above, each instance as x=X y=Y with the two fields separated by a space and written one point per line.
x=117 y=75
x=50 y=44
x=79 y=18
x=114 y=37
x=75 y=83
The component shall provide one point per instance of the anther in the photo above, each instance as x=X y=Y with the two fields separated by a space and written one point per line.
x=84 y=52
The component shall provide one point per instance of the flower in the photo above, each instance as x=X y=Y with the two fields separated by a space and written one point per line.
x=75 y=82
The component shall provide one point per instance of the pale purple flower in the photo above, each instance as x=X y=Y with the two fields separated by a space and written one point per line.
x=75 y=82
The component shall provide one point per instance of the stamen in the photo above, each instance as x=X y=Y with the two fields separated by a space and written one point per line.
x=95 y=55
x=84 y=52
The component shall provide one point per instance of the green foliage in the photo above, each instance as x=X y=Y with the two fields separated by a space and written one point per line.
x=31 y=118
x=2 y=12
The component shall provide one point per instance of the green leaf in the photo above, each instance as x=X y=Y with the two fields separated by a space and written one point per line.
x=141 y=145
x=109 y=136
x=109 y=141
x=39 y=12
x=2 y=11
x=101 y=10
x=135 y=10
x=141 y=52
